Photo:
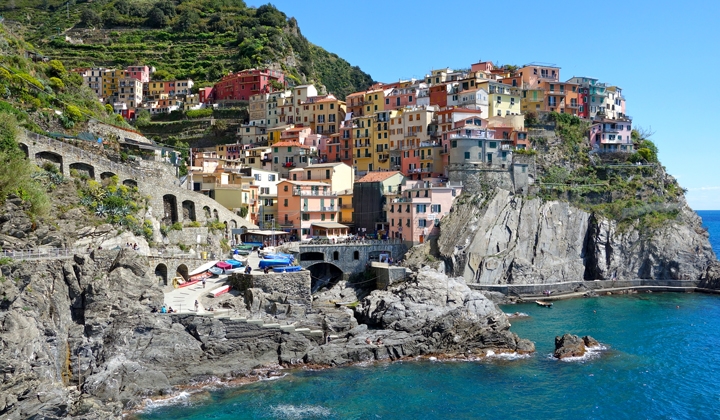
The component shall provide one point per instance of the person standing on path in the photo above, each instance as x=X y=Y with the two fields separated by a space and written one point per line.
x=203 y=280
x=197 y=305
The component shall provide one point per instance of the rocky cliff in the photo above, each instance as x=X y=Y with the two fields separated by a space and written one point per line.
x=77 y=337
x=501 y=238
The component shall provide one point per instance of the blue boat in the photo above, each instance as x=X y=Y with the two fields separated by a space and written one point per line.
x=234 y=263
x=287 y=269
x=216 y=270
x=273 y=263
x=279 y=256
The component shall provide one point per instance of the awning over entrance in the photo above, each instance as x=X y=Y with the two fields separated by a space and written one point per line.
x=329 y=225
x=329 y=229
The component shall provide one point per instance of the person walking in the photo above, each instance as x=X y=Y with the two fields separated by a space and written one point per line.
x=197 y=305
x=203 y=281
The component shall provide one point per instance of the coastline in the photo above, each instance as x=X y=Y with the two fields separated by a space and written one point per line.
x=256 y=375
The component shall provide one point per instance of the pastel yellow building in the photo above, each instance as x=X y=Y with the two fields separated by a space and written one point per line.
x=111 y=81
x=363 y=135
x=503 y=99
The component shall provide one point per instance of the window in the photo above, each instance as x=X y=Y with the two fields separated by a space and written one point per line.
x=275 y=150
x=332 y=216
x=336 y=256
x=435 y=208
x=272 y=178
x=422 y=223
x=276 y=161
x=356 y=255
x=467 y=155
x=285 y=203
x=493 y=145
x=420 y=208
x=407 y=222
x=454 y=144
x=305 y=217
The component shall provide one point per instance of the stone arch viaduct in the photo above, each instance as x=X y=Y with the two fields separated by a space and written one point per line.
x=351 y=258
x=170 y=203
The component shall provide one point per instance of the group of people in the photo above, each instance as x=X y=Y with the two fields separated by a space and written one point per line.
x=135 y=247
x=163 y=310
x=377 y=343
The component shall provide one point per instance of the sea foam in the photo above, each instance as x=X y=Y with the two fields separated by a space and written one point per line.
x=300 y=411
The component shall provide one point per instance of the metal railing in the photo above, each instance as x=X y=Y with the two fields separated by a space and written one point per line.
x=43 y=253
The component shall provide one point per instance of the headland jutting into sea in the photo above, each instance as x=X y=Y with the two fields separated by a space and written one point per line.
x=275 y=218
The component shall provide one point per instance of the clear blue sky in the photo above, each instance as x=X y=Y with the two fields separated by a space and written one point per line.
x=664 y=54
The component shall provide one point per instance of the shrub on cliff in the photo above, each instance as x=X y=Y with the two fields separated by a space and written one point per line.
x=16 y=171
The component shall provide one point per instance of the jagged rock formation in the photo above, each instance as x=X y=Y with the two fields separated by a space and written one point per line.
x=569 y=345
x=508 y=239
x=77 y=337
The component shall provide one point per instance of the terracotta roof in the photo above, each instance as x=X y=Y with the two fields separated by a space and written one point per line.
x=290 y=144
x=377 y=176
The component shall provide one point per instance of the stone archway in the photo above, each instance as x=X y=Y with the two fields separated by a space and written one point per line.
x=161 y=274
x=183 y=271
x=130 y=183
x=188 y=208
x=233 y=224
x=312 y=256
x=49 y=157
x=215 y=215
x=83 y=169
x=324 y=275
x=170 y=211
x=208 y=213
x=105 y=177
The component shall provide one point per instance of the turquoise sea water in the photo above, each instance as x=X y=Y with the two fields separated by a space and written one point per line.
x=711 y=219
x=662 y=362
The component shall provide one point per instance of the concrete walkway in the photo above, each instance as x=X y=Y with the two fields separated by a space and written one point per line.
x=182 y=300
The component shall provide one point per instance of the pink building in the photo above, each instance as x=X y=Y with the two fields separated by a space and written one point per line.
x=415 y=213
x=307 y=208
x=612 y=136
x=482 y=66
x=142 y=73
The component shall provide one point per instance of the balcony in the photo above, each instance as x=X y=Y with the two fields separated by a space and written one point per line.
x=608 y=128
x=383 y=157
x=548 y=76
x=346 y=206
x=572 y=105
x=474 y=135
x=313 y=193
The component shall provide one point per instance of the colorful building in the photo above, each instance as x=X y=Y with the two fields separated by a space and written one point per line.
x=242 y=85
x=414 y=214
x=304 y=203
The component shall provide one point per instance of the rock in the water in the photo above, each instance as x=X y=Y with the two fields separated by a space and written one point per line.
x=590 y=342
x=569 y=345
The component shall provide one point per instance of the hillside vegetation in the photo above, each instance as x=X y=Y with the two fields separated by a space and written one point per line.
x=198 y=39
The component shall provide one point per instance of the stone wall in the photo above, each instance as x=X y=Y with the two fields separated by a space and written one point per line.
x=583 y=286
x=350 y=258
x=105 y=131
x=387 y=274
x=152 y=180
x=510 y=176
x=295 y=285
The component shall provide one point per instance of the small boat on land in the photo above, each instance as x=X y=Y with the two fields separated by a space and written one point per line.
x=278 y=256
x=545 y=304
x=242 y=258
x=243 y=252
x=273 y=263
x=216 y=270
x=234 y=263
x=287 y=269
x=200 y=276
x=246 y=246
x=220 y=290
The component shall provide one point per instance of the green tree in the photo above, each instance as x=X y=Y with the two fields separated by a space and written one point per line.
x=56 y=69
x=162 y=75
x=187 y=20
x=157 y=18
x=90 y=18
x=56 y=84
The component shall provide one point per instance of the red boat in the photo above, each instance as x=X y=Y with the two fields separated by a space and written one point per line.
x=200 y=276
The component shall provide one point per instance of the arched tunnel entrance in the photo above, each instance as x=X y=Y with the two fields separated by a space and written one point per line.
x=161 y=274
x=182 y=271
x=324 y=275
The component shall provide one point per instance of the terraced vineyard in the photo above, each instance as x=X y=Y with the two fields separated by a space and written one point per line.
x=198 y=39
